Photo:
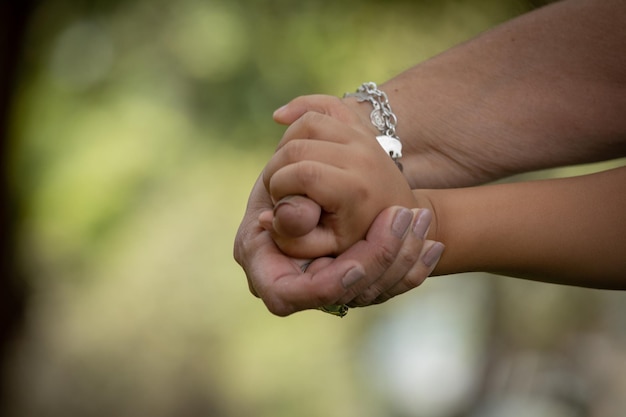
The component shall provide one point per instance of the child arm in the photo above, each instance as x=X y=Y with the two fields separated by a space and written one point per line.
x=569 y=231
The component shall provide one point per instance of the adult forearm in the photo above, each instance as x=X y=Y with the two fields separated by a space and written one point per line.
x=570 y=231
x=543 y=90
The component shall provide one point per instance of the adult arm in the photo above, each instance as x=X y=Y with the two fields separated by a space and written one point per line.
x=545 y=89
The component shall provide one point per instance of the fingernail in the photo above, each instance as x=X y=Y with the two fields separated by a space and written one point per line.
x=432 y=255
x=424 y=217
x=282 y=202
x=401 y=222
x=351 y=277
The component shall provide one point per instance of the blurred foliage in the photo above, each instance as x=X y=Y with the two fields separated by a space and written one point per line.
x=141 y=126
x=116 y=95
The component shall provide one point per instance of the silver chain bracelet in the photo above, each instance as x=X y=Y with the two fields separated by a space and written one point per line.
x=382 y=117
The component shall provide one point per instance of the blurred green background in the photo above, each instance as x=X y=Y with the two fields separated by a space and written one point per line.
x=138 y=128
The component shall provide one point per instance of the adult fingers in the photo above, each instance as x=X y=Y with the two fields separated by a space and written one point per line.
x=279 y=280
x=374 y=255
x=284 y=289
x=420 y=270
x=403 y=263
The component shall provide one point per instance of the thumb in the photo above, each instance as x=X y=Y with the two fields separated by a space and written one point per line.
x=295 y=216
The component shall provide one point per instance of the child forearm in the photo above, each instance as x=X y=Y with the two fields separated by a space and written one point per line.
x=568 y=231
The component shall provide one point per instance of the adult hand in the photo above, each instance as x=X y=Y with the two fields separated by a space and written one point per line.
x=392 y=259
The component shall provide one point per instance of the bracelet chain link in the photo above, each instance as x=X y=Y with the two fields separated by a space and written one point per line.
x=382 y=117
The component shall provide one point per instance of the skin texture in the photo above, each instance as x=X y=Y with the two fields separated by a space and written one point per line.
x=544 y=90
x=384 y=264
x=554 y=229
x=331 y=162
x=567 y=231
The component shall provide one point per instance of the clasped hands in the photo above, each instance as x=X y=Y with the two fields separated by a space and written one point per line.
x=331 y=220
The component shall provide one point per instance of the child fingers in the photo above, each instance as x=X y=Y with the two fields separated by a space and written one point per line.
x=300 y=150
x=313 y=125
x=329 y=186
x=324 y=104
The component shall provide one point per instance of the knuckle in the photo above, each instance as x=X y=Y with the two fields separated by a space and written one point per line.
x=382 y=298
x=243 y=246
x=414 y=279
x=386 y=256
x=307 y=173
x=312 y=118
x=360 y=300
x=326 y=296
x=278 y=308
x=360 y=191
x=408 y=257
x=308 y=124
x=349 y=298
x=369 y=295
x=294 y=151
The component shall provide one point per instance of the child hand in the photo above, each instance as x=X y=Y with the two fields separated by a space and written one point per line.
x=344 y=170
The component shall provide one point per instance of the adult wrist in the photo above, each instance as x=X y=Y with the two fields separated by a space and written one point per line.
x=382 y=118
